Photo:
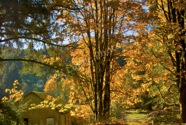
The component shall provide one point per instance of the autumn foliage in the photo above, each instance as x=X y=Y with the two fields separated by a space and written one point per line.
x=120 y=54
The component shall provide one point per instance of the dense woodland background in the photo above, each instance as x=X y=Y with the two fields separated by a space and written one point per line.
x=109 y=57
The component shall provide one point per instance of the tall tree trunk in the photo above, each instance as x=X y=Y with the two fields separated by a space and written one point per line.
x=179 y=18
x=181 y=21
x=183 y=102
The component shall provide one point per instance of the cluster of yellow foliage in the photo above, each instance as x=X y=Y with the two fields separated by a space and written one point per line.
x=14 y=94
x=82 y=111
x=50 y=85
x=52 y=103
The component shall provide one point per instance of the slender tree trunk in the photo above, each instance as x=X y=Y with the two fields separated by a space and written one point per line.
x=106 y=112
x=95 y=102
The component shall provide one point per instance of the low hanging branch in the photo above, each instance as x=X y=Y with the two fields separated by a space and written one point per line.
x=30 y=61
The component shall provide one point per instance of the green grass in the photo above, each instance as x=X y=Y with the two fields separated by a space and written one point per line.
x=135 y=117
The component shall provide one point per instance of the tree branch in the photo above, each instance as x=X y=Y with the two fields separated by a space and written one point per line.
x=30 y=61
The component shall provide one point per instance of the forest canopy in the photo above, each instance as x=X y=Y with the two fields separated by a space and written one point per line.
x=106 y=56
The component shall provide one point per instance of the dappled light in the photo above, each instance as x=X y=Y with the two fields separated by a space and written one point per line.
x=92 y=62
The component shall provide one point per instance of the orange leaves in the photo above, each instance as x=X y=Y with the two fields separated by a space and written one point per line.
x=50 y=85
x=81 y=58
x=82 y=111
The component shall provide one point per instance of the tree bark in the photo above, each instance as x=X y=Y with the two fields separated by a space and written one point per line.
x=183 y=104
x=181 y=21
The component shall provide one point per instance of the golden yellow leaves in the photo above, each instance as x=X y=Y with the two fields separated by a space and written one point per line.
x=50 y=85
x=146 y=65
x=4 y=99
x=51 y=60
x=171 y=36
x=81 y=58
x=14 y=94
x=51 y=103
x=70 y=85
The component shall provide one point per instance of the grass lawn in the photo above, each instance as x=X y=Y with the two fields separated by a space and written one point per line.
x=135 y=117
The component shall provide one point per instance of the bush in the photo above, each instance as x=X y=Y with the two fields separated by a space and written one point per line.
x=170 y=115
